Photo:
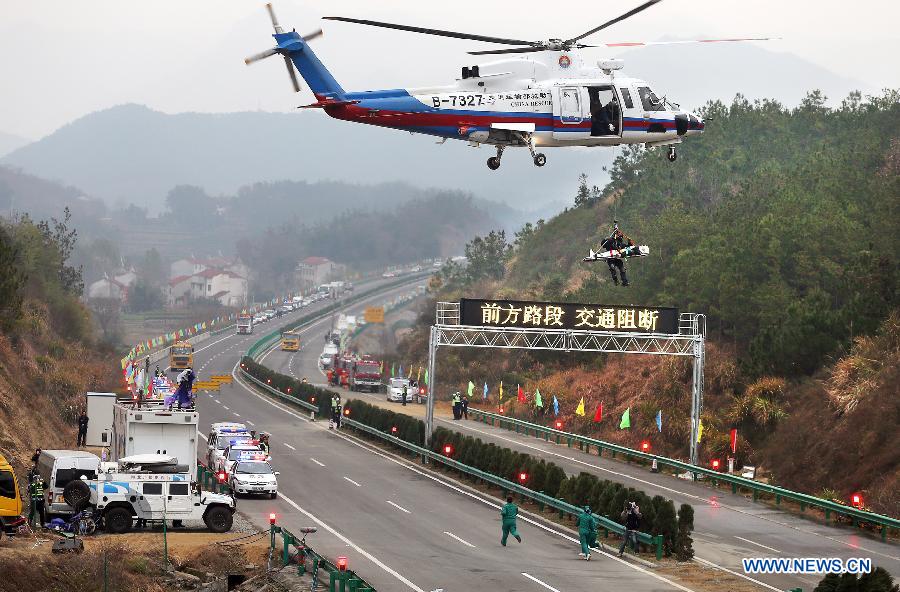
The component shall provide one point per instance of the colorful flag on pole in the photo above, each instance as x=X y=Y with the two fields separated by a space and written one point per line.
x=485 y=392
x=659 y=420
x=392 y=369
x=520 y=394
x=426 y=376
x=400 y=373
x=598 y=415
x=555 y=406
x=419 y=374
x=538 y=402
x=699 y=431
x=733 y=440
x=580 y=409
x=410 y=373
x=501 y=391
x=626 y=420
x=471 y=389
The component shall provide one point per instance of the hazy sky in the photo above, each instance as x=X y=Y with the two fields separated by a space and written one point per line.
x=64 y=58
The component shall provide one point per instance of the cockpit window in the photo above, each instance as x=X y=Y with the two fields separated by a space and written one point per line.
x=649 y=99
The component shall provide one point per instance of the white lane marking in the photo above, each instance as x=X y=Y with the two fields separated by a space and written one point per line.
x=757 y=544
x=736 y=573
x=289 y=446
x=236 y=414
x=401 y=508
x=352 y=481
x=453 y=536
x=218 y=401
x=205 y=439
x=250 y=423
x=226 y=407
x=356 y=547
x=650 y=484
x=544 y=584
x=321 y=464
x=460 y=490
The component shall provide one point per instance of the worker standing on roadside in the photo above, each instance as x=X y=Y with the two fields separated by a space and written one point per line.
x=457 y=405
x=587 y=527
x=508 y=515
x=36 y=492
x=335 y=412
x=82 y=428
x=631 y=516
x=403 y=394
x=464 y=406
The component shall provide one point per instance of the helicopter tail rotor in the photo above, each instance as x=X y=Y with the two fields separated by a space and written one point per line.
x=278 y=50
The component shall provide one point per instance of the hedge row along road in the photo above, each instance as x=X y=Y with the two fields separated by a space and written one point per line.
x=727 y=527
x=400 y=527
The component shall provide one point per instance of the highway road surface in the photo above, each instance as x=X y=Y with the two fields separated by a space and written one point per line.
x=728 y=527
x=401 y=528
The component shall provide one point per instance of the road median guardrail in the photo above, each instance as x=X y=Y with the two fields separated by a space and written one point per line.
x=542 y=500
x=339 y=580
x=737 y=483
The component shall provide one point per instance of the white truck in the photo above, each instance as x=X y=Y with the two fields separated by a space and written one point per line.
x=155 y=431
x=245 y=325
x=154 y=487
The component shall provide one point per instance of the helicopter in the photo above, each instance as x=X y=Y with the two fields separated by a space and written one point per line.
x=549 y=97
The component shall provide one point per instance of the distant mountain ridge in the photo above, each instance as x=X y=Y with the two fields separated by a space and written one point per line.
x=130 y=153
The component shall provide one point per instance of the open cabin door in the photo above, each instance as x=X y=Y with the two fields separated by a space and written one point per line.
x=571 y=118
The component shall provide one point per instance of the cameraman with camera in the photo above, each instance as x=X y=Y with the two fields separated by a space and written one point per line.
x=631 y=517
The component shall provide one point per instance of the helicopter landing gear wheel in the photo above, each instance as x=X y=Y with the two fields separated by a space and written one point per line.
x=672 y=154
x=540 y=160
x=494 y=161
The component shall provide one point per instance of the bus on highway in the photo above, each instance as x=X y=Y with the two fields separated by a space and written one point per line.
x=181 y=355
x=290 y=341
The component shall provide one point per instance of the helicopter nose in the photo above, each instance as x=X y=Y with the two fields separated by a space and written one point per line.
x=695 y=125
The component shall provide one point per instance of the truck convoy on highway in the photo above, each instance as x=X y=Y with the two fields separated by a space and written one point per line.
x=245 y=324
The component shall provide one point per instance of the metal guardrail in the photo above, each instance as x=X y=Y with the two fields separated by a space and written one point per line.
x=540 y=498
x=804 y=499
x=338 y=580
x=266 y=341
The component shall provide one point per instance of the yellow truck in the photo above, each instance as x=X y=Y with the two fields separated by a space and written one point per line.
x=290 y=341
x=181 y=355
x=10 y=499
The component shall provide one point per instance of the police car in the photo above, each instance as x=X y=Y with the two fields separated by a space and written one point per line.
x=221 y=436
x=252 y=474
x=235 y=452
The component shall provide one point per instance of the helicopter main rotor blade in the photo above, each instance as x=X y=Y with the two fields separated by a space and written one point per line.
x=622 y=17
x=313 y=35
x=260 y=56
x=427 y=31
x=646 y=43
x=510 y=50
x=274 y=19
x=292 y=74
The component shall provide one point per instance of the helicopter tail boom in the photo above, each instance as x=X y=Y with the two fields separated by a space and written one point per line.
x=316 y=75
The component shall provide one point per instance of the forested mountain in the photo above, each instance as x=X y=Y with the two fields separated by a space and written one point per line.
x=783 y=227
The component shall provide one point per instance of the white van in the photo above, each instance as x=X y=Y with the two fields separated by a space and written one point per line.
x=58 y=468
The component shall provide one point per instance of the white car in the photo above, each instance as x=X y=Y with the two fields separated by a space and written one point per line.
x=260 y=318
x=388 y=274
x=269 y=313
x=221 y=436
x=395 y=390
x=254 y=477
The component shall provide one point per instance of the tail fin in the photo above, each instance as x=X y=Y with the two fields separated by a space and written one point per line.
x=316 y=75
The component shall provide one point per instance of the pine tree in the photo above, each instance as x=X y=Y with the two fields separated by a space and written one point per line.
x=684 y=544
x=666 y=524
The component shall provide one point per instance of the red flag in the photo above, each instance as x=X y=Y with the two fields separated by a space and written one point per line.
x=521 y=395
x=598 y=416
x=733 y=440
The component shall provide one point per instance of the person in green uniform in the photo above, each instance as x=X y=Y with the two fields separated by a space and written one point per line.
x=508 y=516
x=587 y=532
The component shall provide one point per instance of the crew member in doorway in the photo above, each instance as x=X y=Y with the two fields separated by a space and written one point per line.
x=617 y=241
x=82 y=428
x=604 y=112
